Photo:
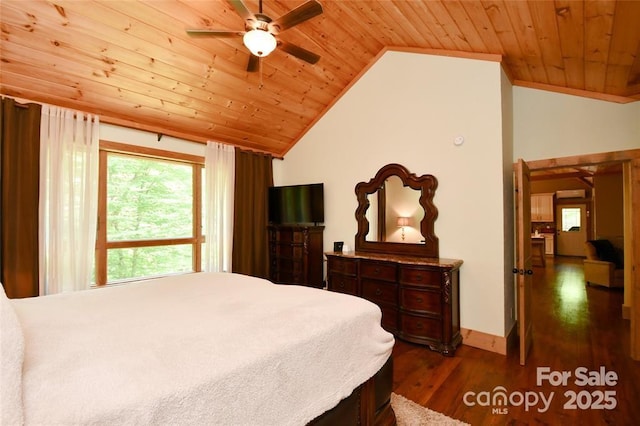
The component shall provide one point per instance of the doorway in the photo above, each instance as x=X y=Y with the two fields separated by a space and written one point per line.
x=630 y=161
x=571 y=229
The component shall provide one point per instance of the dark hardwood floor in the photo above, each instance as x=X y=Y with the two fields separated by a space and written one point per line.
x=575 y=326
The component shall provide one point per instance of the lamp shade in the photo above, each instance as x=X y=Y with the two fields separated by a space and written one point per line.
x=403 y=221
x=259 y=42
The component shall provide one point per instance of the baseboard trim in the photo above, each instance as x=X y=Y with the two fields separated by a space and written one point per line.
x=487 y=342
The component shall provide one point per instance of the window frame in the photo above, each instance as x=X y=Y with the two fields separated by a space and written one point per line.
x=102 y=245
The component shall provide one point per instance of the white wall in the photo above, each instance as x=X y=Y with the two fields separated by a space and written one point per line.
x=551 y=125
x=509 y=205
x=407 y=109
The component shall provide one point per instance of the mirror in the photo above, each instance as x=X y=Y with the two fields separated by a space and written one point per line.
x=396 y=213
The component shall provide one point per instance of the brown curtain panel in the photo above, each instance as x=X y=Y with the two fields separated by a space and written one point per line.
x=254 y=175
x=19 y=183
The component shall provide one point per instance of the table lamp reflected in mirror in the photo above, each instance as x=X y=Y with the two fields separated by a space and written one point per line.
x=402 y=222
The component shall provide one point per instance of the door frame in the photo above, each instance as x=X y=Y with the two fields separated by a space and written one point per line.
x=630 y=160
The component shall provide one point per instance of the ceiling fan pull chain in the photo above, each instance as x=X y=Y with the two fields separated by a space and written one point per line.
x=260 y=68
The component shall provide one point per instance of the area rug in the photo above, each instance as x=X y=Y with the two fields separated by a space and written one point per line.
x=408 y=413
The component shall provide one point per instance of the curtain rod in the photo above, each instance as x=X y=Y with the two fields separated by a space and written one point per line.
x=108 y=120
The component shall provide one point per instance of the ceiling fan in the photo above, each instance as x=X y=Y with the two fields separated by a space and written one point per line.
x=260 y=31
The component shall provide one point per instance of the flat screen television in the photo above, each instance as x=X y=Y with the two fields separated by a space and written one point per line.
x=296 y=204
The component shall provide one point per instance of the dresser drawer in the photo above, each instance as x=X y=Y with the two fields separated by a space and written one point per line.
x=389 y=319
x=421 y=301
x=290 y=236
x=289 y=250
x=378 y=270
x=342 y=265
x=380 y=292
x=420 y=327
x=288 y=277
x=343 y=284
x=288 y=265
x=420 y=276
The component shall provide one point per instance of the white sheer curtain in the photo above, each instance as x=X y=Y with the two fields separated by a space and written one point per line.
x=69 y=149
x=219 y=170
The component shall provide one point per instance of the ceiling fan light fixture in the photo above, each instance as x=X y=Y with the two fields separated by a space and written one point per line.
x=259 y=42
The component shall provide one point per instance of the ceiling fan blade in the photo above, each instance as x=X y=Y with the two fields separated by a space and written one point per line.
x=299 y=52
x=296 y=16
x=254 y=63
x=242 y=10
x=215 y=33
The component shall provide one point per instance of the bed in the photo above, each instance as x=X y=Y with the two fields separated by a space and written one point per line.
x=202 y=348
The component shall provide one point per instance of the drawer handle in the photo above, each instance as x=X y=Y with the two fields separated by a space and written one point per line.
x=378 y=292
x=419 y=326
x=419 y=278
x=341 y=284
x=419 y=299
x=377 y=270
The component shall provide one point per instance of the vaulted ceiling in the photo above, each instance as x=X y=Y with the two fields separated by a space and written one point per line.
x=133 y=63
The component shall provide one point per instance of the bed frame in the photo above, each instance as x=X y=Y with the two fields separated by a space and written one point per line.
x=368 y=404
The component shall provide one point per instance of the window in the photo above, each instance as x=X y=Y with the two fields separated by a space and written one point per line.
x=570 y=219
x=149 y=214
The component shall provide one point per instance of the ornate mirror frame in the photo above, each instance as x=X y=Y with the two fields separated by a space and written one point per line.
x=427 y=185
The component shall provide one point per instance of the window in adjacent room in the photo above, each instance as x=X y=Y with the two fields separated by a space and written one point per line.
x=570 y=219
x=149 y=214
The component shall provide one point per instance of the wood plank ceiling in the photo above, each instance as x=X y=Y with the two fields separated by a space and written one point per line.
x=132 y=62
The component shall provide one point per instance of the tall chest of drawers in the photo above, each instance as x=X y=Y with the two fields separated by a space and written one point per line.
x=418 y=297
x=295 y=255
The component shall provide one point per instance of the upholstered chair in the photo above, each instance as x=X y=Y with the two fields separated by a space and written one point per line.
x=603 y=264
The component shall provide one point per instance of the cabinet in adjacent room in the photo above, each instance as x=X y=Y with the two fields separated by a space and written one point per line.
x=295 y=255
x=549 y=244
x=542 y=207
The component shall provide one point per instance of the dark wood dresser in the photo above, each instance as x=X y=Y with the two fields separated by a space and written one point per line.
x=418 y=296
x=295 y=255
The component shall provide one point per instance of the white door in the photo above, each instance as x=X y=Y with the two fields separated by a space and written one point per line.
x=571 y=229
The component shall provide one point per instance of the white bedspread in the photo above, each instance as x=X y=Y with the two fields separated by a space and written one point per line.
x=205 y=349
